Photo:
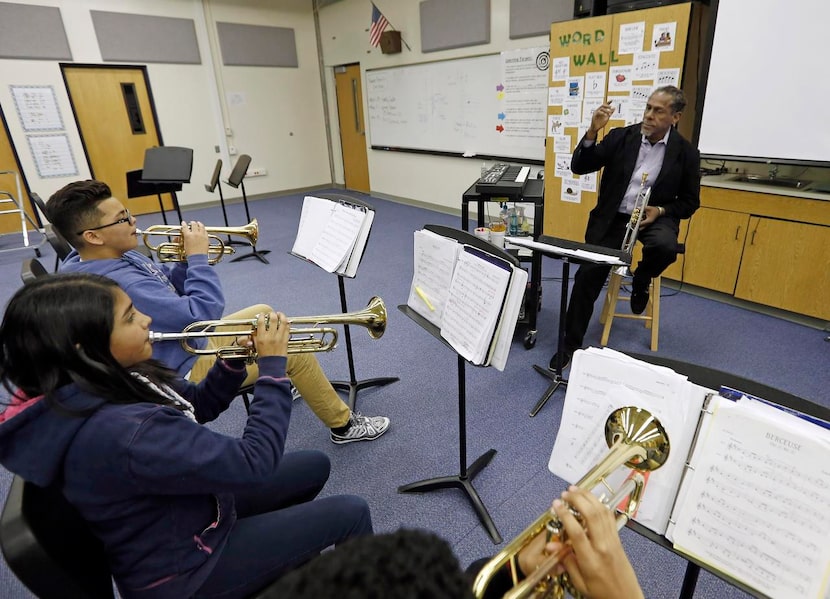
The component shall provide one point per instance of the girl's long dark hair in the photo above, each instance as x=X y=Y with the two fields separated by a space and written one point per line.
x=56 y=330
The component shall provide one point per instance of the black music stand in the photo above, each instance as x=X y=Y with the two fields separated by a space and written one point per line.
x=235 y=180
x=352 y=385
x=563 y=249
x=464 y=479
x=165 y=169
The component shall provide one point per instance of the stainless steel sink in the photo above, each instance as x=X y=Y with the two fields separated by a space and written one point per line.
x=773 y=182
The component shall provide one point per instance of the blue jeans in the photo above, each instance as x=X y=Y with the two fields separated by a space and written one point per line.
x=279 y=527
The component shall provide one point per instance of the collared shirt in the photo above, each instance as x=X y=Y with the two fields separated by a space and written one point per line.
x=649 y=163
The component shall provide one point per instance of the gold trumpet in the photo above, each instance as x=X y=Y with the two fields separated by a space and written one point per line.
x=173 y=251
x=636 y=439
x=314 y=338
x=637 y=215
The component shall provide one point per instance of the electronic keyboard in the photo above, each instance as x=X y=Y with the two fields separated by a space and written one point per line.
x=503 y=180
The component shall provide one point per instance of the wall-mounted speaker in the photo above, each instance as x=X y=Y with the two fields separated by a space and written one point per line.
x=390 y=42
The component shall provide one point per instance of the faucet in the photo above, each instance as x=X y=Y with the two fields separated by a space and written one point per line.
x=773 y=171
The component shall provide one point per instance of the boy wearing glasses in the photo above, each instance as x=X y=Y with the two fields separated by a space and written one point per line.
x=104 y=235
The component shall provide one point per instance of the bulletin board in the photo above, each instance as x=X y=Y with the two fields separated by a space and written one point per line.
x=620 y=57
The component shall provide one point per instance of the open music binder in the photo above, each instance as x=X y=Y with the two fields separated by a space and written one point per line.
x=746 y=488
x=333 y=234
x=474 y=297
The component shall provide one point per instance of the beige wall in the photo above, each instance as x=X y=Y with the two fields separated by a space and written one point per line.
x=278 y=116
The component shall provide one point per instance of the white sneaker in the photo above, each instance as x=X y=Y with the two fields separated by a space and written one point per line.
x=362 y=428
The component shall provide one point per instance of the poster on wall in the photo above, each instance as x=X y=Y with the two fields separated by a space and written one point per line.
x=52 y=155
x=37 y=107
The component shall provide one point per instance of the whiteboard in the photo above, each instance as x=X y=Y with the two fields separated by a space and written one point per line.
x=449 y=106
x=768 y=84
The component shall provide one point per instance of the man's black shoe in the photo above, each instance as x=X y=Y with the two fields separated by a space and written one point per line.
x=566 y=360
x=639 y=300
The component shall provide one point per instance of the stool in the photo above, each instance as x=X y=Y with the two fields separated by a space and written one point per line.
x=651 y=315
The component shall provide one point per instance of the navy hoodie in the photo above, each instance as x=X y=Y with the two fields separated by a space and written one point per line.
x=155 y=486
x=173 y=297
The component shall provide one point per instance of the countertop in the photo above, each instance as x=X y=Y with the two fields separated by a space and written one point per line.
x=727 y=182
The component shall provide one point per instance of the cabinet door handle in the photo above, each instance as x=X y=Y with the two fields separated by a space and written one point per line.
x=737 y=232
x=752 y=240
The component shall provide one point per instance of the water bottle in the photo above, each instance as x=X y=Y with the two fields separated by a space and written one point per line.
x=513 y=222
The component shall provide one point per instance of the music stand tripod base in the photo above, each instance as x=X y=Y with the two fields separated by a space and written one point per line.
x=465 y=483
x=556 y=379
x=254 y=253
x=352 y=387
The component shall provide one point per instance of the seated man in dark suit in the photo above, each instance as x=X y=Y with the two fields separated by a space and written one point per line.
x=671 y=166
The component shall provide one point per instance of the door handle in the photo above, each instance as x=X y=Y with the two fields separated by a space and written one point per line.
x=355 y=105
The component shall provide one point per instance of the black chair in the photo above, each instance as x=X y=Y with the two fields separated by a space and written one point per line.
x=31 y=270
x=51 y=550
x=55 y=239
x=41 y=205
x=49 y=547
x=236 y=179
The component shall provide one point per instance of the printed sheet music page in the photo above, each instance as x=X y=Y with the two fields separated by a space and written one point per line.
x=602 y=380
x=335 y=245
x=474 y=304
x=435 y=257
x=756 y=504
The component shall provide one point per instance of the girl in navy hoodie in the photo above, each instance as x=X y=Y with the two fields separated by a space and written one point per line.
x=183 y=511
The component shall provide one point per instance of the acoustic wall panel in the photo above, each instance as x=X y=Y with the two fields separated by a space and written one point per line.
x=32 y=32
x=125 y=37
x=257 y=45
x=456 y=24
x=533 y=17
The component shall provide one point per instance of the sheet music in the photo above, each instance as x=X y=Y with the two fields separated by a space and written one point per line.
x=474 y=304
x=337 y=240
x=435 y=257
x=561 y=251
x=602 y=380
x=313 y=219
x=756 y=506
x=359 y=245
x=510 y=314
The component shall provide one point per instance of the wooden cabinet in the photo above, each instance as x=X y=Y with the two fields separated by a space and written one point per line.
x=768 y=249
x=786 y=265
x=714 y=245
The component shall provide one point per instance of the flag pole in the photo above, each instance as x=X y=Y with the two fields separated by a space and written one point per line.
x=396 y=29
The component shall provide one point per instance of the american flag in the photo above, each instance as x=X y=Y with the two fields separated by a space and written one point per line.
x=379 y=25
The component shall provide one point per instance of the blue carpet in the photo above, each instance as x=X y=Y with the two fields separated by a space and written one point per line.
x=423 y=441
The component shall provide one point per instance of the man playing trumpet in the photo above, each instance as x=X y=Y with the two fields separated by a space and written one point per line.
x=104 y=235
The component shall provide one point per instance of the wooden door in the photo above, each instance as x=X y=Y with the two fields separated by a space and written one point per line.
x=352 y=127
x=114 y=110
x=10 y=223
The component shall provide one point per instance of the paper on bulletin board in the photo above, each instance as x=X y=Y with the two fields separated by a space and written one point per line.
x=620 y=78
x=595 y=85
x=562 y=165
x=645 y=65
x=561 y=69
x=555 y=125
x=571 y=190
x=662 y=37
x=668 y=77
x=557 y=95
x=632 y=36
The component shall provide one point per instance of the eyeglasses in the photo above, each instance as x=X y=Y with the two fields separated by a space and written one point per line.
x=120 y=221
